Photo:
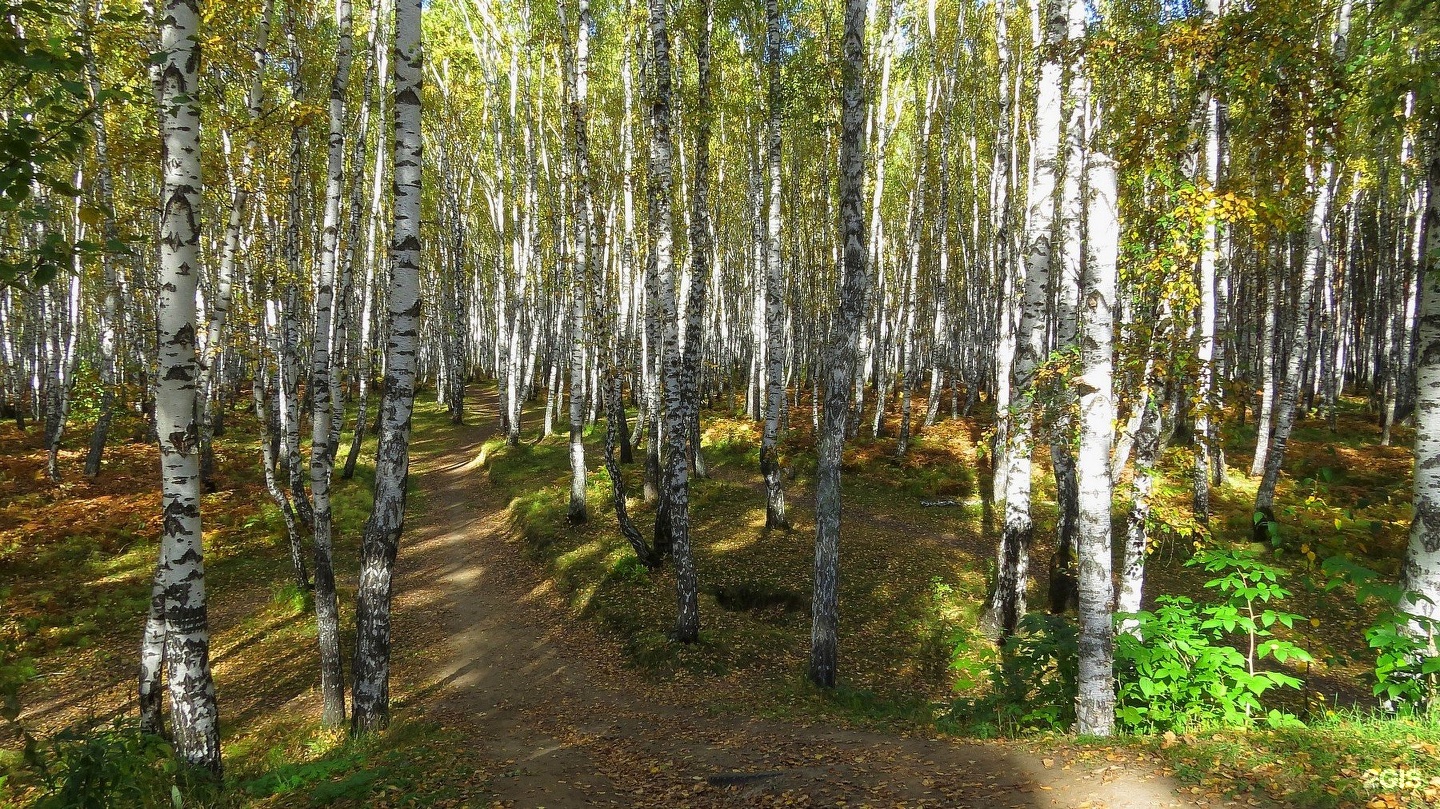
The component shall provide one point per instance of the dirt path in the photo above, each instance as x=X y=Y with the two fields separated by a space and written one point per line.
x=558 y=720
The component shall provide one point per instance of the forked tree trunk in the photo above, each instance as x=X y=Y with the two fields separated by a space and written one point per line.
x=267 y=459
x=1137 y=523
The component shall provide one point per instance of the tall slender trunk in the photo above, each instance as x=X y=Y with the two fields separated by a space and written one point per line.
x=681 y=364
x=841 y=349
x=1205 y=399
x=1420 y=575
x=579 y=79
x=1007 y=601
x=910 y=302
x=1265 y=418
x=662 y=251
x=64 y=335
x=380 y=57
x=381 y=543
x=219 y=304
x=1316 y=247
x=775 y=516
x=327 y=612
x=109 y=307
x=181 y=568
x=1005 y=269
x=1064 y=567
x=1095 y=706
x=267 y=459
x=289 y=361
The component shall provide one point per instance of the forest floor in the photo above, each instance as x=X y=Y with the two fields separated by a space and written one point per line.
x=532 y=667
x=562 y=721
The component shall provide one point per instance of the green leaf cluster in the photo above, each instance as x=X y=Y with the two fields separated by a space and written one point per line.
x=1176 y=670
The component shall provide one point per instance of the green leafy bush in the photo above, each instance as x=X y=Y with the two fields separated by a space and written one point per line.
x=114 y=766
x=1407 y=669
x=1175 y=669
x=1034 y=684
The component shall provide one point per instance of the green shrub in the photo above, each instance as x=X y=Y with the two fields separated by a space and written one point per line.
x=293 y=598
x=115 y=766
x=1406 y=670
x=1174 y=668
x=1034 y=685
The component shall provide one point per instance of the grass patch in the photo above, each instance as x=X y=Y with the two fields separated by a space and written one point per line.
x=755 y=583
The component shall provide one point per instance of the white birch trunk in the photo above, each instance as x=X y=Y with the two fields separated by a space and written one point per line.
x=1420 y=575
x=775 y=516
x=371 y=695
x=1095 y=709
x=327 y=613
x=1007 y=603
x=181 y=569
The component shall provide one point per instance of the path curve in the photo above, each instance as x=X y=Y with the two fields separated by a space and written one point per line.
x=546 y=703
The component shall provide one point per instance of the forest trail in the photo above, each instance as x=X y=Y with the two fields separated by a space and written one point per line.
x=557 y=720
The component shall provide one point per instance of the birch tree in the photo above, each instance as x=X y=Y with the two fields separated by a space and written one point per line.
x=381 y=540
x=1007 y=600
x=180 y=575
x=840 y=354
x=1095 y=709
x=322 y=462
x=1420 y=574
x=775 y=516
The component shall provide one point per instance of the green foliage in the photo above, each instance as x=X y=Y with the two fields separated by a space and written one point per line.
x=628 y=569
x=1034 y=684
x=1177 y=673
x=1406 y=669
x=44 y=132
x=1175 y=667
x=939 y=629
x=296 y=776
x=293 y=598
x=114 y=766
